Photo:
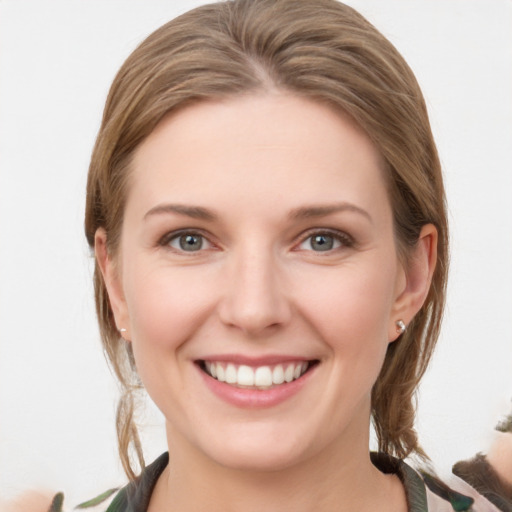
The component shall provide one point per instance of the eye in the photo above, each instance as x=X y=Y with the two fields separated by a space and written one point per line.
x=325 y=241
x=188 y=242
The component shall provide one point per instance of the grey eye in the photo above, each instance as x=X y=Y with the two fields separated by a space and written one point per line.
x=188 y=242
x=320 y=242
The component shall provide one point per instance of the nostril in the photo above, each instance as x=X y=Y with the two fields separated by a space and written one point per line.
x=253 y=300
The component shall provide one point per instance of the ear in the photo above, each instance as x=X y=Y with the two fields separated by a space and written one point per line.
x=418 y=276
x=110 y=272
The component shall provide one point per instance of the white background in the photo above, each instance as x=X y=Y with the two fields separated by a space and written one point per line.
x=57 y=59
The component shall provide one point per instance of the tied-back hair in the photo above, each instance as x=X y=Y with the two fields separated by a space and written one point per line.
x=317 y=49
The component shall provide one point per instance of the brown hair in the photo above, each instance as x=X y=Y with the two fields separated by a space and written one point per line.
x=320 y=49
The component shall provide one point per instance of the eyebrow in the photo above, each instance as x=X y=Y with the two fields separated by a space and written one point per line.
x=303 y=212
x=306 y=212
x=194 y=212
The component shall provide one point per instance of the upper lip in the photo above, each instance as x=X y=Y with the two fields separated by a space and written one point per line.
x=267 y=360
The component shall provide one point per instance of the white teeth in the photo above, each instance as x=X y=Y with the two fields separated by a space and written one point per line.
x=288 y=373
x=260 y=377
x=221 y=374
x=231 y=376
x=245 y=376
x=263 y=376
x=278 y=374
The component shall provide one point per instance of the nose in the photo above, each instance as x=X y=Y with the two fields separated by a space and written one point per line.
x=254 y=299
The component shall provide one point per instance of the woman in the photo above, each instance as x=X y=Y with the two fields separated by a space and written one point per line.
x=267 y=211
x=271 y=295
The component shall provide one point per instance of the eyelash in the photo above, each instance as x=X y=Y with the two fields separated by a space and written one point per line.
x=343 y=239
x=166 y=240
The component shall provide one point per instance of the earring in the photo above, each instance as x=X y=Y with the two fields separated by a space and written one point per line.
x=400 y=326
x=122 y=329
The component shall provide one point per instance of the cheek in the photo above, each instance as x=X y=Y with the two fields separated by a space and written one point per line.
x=351 y=312
x=166 y=306
x=356 y=301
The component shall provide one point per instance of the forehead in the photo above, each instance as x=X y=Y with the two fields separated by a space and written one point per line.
x=276 y=148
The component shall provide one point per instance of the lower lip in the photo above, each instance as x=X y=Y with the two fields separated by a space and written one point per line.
x=255 y=398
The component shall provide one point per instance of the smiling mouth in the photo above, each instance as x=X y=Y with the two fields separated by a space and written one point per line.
x=259 y=377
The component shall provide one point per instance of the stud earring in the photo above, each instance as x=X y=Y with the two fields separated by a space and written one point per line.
x=400 y=326
x=122 y=329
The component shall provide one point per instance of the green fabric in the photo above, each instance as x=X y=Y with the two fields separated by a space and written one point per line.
x=136 y=495
x=58 y=501
x=458 y=501
x=97 y=500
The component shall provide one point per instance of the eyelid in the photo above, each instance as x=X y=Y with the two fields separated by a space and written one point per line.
x=344 y=238
x=166 y=240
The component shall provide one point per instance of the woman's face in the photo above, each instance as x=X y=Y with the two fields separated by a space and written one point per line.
x=258 y=279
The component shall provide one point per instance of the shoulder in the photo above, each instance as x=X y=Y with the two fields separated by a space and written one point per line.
x=136 y=495
x=427 y=493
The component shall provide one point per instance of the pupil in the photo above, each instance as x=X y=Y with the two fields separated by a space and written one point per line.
x=190 y=242
x=322 y=242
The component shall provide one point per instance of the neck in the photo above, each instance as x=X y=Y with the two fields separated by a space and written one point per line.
x=341 y=478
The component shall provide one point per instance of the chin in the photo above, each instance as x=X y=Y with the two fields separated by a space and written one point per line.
x=257 y=460
x=258 y=453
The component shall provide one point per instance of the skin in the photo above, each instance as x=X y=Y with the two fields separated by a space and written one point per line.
x=500 y=456
x=29 y=501
x=258 y=287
